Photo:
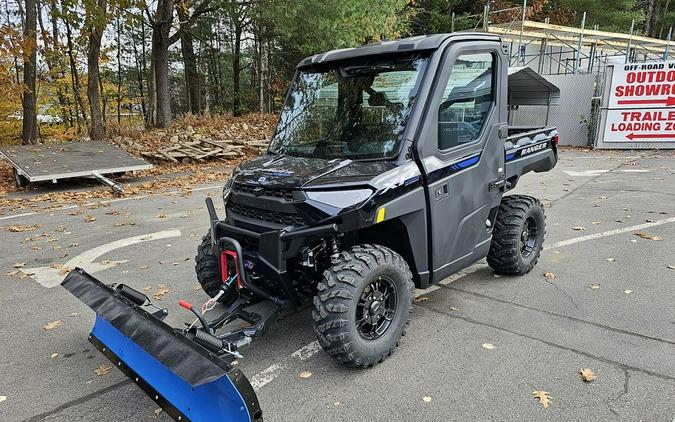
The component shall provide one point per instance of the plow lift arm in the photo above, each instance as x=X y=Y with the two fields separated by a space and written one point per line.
x=187 y=372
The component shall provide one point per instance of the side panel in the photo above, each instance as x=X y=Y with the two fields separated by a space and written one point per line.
x=459 y=173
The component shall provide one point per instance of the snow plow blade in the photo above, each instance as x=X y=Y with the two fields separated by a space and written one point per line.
x=185 y=379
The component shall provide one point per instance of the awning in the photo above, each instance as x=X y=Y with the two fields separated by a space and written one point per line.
x=527 y=87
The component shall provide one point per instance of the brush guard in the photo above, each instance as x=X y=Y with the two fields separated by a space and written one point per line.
x=188 y=373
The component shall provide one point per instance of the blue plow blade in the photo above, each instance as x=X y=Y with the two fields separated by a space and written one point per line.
x=188 y=382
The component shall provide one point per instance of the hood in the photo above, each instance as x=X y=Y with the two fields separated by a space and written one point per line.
x=296 y=172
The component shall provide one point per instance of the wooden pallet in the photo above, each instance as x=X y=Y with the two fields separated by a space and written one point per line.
x=203 y=149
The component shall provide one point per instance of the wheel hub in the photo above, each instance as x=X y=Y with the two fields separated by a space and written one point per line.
x=376 y=308
x=528 y=237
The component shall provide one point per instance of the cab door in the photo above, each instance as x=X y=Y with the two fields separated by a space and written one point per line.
x=462 y=150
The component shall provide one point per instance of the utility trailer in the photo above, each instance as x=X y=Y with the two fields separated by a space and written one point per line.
x=387 y=171
x=54 y=162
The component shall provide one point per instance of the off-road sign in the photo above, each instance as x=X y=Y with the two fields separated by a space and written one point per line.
x=641 y=105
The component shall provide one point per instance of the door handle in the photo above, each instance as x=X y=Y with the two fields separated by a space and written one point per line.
x=441 y=191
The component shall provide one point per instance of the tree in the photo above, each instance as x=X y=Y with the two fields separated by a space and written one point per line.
x=160 y=107
x=95 y=23
x=29 y=133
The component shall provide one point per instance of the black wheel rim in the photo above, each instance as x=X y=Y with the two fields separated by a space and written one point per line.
x=528 y=237
x=376 y=308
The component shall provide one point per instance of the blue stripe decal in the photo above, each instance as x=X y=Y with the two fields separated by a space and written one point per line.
x=509 y=157
x=465 y=163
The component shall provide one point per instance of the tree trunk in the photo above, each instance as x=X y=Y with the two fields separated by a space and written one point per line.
x=96 y=16
x=649 y=18
x=189 y=61
x=52 y=63
x=236 y=72
x=139 y=73
x=160 y=63
x=74 y=75
x=29 y=101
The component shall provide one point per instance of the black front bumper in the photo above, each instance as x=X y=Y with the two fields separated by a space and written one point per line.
x=273 y=249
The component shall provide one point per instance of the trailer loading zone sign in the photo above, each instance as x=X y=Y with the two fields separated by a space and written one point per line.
x=641 y=105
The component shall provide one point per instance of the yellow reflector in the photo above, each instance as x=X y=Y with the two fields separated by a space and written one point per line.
x=380 y=215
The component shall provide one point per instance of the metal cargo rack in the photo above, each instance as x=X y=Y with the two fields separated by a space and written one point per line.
x=53 y=162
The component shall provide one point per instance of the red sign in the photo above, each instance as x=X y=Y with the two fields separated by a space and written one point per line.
x=641 y=106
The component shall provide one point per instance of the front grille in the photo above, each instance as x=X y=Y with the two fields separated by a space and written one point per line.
x=287 y=219
x=285 y=194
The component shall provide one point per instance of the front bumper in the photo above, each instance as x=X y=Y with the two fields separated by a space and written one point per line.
x=274 y=247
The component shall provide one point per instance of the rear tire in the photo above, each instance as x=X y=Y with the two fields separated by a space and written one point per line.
x=363 y=305
x=207 y=267
x=518 y=235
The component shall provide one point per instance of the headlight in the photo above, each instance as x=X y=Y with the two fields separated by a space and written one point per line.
x=340 y=199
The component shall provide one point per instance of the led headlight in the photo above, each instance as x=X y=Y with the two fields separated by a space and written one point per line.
x=341 y=198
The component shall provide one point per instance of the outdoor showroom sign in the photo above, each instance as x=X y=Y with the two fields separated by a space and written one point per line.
x=642 y=103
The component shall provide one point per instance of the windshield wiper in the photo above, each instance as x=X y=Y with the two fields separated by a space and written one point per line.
x=357 y=70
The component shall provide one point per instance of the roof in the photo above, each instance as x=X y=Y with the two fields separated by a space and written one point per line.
x=569 y=36
x=418 y=43
x=527 y=87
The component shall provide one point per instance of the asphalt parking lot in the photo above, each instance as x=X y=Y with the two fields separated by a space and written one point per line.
x=477 y=347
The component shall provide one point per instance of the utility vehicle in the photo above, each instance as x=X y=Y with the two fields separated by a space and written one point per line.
x=386 y=171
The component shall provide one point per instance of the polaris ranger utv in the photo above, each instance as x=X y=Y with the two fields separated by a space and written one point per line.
x=386 y=171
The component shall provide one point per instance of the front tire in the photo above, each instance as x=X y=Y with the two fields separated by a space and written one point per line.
x=207 y=267
x=518 y=235
x=363 y=305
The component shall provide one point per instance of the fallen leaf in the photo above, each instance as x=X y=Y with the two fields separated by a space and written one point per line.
x=549 y=276
x=628 y=291
x=595 y=222
x=671 y=267
x=161 y=292
x=74 y=245
x=579 y=228
x=73 y=314
x=23 y=228
x=147 y=288
x=53 y=355
x=3 y=398
x=305 y=374
x=421 y=299
x=19 y=265
x=161 y=216
x=610 y=259
x=102 y=369
x=488 y=346
x=64 y=271
x=13 y=273
x=648 y=236
x=53 y=325
x=89 y=218
x=587 y=374
x=454 y=309
x=426 y=399
x=543 y=396
x=595 y=286
x=337 y=403
x=157 y=411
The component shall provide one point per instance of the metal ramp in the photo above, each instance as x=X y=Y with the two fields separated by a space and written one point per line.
x=38 y=163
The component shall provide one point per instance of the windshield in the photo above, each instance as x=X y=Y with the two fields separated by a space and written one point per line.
x=349 y=112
